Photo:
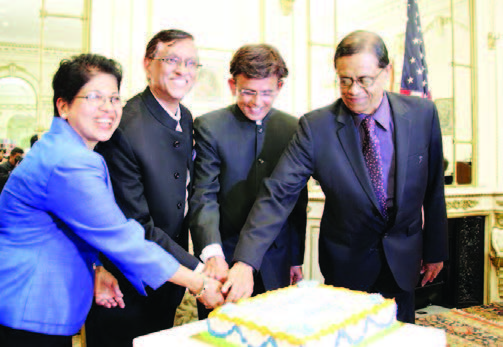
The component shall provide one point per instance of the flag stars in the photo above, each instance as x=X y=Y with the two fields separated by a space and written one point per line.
x=414 y=76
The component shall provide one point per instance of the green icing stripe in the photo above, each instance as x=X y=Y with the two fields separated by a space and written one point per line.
x=212 y=340
x=380 y=335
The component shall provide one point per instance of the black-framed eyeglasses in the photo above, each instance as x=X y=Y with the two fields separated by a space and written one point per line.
x=97 y=99
x=190 y=64
x=252 y=93
x=363 y=81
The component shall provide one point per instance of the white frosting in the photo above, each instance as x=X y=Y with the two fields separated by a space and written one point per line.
x=287 y=312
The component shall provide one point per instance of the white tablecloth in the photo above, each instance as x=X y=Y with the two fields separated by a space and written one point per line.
x=408 y=335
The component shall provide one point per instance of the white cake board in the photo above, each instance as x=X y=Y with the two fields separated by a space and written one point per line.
x=408 y=335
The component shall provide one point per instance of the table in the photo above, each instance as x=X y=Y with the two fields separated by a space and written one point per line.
x=408 y=335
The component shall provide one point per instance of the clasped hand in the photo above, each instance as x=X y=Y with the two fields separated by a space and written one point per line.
x=211 y=293
x=238 y=281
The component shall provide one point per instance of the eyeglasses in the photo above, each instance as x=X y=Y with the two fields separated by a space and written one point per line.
x=190 y=64
x=251 y=93
x=363 y=81
x=97 y=99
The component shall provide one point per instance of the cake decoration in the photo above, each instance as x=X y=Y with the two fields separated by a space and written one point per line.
x=308 y=314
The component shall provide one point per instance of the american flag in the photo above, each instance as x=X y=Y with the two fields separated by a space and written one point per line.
x=414 y=71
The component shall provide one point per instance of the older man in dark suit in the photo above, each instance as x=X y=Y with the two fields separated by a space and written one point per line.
x=378 y=158
x=150 y=159
x=236 y=148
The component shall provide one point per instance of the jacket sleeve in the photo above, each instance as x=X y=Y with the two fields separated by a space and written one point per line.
x=129 y=191
x=298 y=224
x=79 y=195
x=435 y=215
x=277 y=198
x=204 y=205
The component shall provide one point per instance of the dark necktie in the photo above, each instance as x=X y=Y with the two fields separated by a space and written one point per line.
x=372 y=155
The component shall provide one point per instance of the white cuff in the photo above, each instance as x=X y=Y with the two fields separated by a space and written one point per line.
x=213 y=250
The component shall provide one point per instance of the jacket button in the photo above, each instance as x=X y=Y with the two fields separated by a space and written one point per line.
x=176 y=144
x=260 y=130
x=179 y=205
x=260 y=161
x=176 y=175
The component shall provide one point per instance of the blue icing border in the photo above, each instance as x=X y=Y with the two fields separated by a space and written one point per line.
x=270 y=341
x=343 y=335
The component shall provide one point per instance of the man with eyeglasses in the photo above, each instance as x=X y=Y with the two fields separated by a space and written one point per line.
x=150 y=159
x=237 y=147
x=378 y=159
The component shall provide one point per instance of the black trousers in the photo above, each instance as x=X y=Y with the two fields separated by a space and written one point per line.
x=21 y=338
x=258 y=288
x=116 y=327
x=388 y=288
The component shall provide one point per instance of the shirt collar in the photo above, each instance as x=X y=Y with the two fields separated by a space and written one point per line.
x=382 y=115
x=177 y=116
x=237 y=111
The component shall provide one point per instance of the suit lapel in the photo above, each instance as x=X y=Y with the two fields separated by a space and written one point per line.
x=402 y=126
x=350 y=143
x=187 y=128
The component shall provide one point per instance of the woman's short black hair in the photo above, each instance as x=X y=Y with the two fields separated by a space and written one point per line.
x=75 y=72
x=33 y=139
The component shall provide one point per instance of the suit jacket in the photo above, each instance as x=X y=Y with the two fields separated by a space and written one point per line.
x=6 y=167
x=353 y=233
x=58 y=211
x=234 y=155
x=148 y=161
x=5 y=170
